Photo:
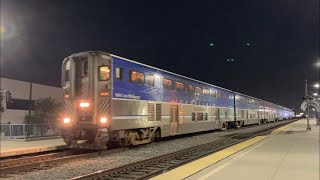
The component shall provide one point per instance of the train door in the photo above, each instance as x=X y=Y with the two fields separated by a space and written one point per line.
x=174 y=119
x=82 y=89
x=216 y=117
x=103 y=87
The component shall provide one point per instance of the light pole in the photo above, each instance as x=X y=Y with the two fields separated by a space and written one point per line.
x=308 y=111
x=317 y=97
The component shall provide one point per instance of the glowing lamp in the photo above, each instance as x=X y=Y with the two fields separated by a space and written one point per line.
x=104 y=94
x=84 y=104
x=66 y=120
x=103 y=120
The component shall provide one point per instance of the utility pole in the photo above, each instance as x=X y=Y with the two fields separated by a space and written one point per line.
x=308 y=110
x=28 y=128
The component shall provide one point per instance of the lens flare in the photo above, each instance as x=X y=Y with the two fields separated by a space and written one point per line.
x=7 y=31
x=2 y=29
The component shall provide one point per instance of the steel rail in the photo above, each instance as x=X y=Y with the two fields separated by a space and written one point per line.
x=23 y=164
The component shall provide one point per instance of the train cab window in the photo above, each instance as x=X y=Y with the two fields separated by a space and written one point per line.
x=66 y=76
x=167 y=83
x=104 y=73
x=119 y=73
x=136 y=77
x=205 y=116
x=180 y=86
x=206 y=92
x=198 y=91
x=67 y=71
x=190 y=89
x=213 y=93
x=150 y=80
x=85 y=68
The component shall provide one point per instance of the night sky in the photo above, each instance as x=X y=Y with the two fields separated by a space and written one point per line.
x=273 y=43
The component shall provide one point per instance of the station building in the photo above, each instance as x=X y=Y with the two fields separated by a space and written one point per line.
x=18 y=108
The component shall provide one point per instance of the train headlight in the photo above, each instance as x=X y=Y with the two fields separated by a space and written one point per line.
x=66 y=120
x=84 y=104
x=103 y=120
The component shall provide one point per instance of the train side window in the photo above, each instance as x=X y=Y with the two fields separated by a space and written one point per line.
x=167 y=83
x=206 y=92
x=119 y=73
x=150 y=80
x=137 y=77
x=180 y=86
x=213 y=93
x=193 y=116
x=190 y=89
x=200 y=116
x=104 y=73
x=199 y=91
x=205 y=116
x=218 y=94
x=225 y=96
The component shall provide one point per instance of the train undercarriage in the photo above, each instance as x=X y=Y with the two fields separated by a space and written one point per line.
x=102 y=138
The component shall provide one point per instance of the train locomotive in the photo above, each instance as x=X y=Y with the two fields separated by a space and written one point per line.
x=113 y=100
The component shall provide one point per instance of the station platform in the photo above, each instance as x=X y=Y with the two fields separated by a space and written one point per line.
x=289 y=152
x=20 y=147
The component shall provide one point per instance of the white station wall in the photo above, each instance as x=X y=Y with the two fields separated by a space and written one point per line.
x=21 y=90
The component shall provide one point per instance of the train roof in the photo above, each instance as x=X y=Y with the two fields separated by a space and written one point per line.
x=136 y=62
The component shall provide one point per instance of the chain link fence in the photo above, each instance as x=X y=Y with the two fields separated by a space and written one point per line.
x=27 y=131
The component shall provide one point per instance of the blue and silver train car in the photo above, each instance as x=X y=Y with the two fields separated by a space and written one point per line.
x=110 y=99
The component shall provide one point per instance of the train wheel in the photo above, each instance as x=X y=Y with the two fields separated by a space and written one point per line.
x=239 y=124
x=224 y=126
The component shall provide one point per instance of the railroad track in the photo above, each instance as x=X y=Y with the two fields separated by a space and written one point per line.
x=151 y=167
x=29 y=163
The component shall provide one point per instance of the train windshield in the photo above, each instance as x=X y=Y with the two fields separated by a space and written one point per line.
x=66 y=72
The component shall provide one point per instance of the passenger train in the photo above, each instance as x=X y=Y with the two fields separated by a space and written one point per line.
x=110 y=99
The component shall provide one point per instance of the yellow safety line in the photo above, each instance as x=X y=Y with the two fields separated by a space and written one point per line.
x=198 y=165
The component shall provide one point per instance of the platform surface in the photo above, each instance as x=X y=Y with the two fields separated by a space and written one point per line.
x=16 y=147
x=289 y=152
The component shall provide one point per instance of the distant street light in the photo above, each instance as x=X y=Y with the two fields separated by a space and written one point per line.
x=317 y=85
x=230 y=60
x=317 y=64
x=308 y=108
x=315 y=94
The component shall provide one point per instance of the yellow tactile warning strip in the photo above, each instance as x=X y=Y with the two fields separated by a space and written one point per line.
x=197 y=165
